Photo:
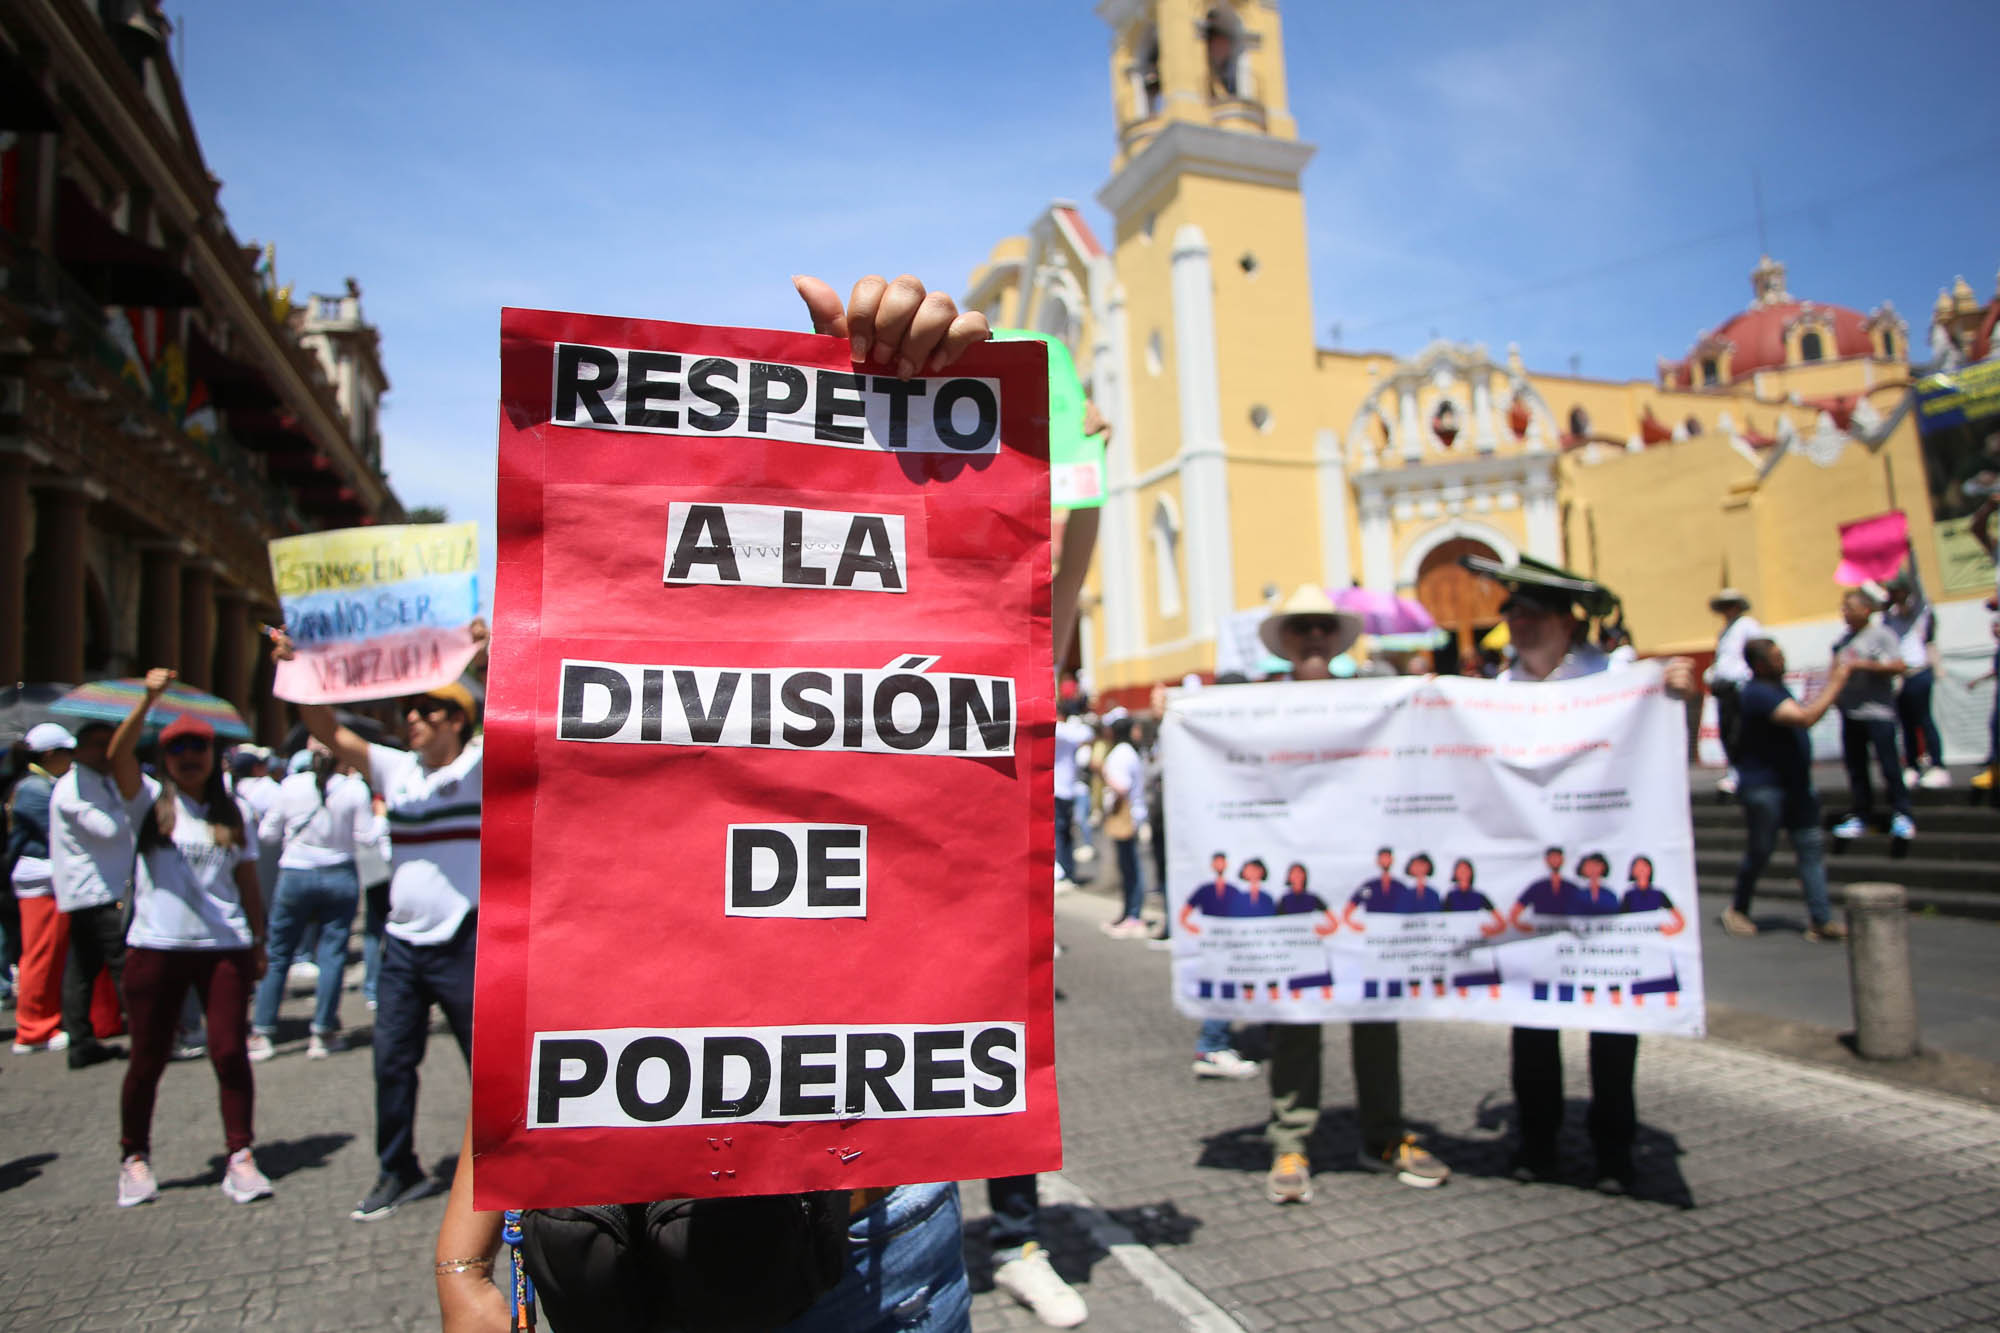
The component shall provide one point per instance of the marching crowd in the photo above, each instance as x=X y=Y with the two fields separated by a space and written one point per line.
x=142 y=908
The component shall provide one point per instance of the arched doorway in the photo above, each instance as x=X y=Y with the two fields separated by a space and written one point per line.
x=1464 y=605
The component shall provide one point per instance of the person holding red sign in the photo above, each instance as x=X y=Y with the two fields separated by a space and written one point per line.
x=905 y=1264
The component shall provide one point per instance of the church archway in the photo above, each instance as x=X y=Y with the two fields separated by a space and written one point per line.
x=1464 y=605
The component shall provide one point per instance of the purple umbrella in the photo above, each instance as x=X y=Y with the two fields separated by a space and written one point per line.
x=1383 y=612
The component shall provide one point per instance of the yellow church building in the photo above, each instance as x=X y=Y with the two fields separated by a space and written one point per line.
x=1246 y=460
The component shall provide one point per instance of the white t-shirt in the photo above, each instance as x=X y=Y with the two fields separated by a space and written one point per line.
x=259 y=793
x=1124 y=768
x=1730 y=664
x=317 y=834
x=1582 y=660
x=92 y=833
x=185 y=896
x=434 y=840
x=1072 y=734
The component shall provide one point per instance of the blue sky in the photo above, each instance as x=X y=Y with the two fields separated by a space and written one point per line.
x=1575 y=178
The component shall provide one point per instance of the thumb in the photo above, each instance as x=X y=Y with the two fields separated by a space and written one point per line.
x=829 y=315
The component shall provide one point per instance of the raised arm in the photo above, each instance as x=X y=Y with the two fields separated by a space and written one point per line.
x=467 y=1242
x=347 y=744
x=1792 y=713
x=123 y=752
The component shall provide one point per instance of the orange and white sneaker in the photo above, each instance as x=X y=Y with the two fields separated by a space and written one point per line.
x=1290 y=1180
x=242 y=1181
x=1410 y=1164
x=135 y=1182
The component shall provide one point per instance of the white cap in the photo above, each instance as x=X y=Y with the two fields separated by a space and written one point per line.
x=46 y=736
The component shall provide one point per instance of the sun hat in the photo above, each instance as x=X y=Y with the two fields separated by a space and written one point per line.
x=1310 y=600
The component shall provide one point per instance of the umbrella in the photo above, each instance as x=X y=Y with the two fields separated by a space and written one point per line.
x=25 y=706
x=367 y=728
x=1383 y=612
x=113 y=700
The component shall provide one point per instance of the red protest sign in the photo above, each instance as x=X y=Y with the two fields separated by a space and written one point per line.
x=768 y=828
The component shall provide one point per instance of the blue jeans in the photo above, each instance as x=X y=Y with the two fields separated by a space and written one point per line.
x=906 y=1270
x=414 y=976
x=1130 y=876
x=1066 y=836
x=325 y=898
x=1766 y=810
x=1913 y=709
x=1213 y=1037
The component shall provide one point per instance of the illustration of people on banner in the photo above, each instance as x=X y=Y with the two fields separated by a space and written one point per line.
x=1452 y=849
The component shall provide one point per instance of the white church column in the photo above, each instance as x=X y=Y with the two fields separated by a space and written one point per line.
x=1330 y=468
x=1538 y=508
x=1204 y=476
x=1485 y=438
x=1377 y=568
x=1118 y=533
x=1409 y=430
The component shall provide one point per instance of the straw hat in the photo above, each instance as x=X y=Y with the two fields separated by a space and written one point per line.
x=1310 y=600
x=1728 y=597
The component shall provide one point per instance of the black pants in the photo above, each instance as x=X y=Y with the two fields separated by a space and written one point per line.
x=96 y=941
x=1016 y=1212
x=1538 y=1094
x=1728 y=715
x=1859 y=738
x=414 y=977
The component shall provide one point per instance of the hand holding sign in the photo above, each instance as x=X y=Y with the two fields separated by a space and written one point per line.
x=894 y=322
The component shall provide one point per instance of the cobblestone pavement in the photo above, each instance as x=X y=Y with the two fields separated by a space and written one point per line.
x=1773 y=1195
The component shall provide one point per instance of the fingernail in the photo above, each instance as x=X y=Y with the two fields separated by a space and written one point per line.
x=860 y=349
x=905 y=369
x=937 y=361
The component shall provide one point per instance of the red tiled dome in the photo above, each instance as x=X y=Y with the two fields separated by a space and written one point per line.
x=1758 y=334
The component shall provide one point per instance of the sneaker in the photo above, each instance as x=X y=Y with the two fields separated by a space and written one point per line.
x=390 y=1193
x=319 y=1046
x=1850 y=827
x=1936 y=778
x=1910 y=776
x=1031 y=1281
x=1826 y=932
x=189 y=1050
x=1130 y=929
x=242 y=1181
x=1412 y=1165
x=59 y=1042
x=31 y=1047
x=135 y=1182
x=1290 y=1180
x=1737 y=923
x=1532 y=1168
x=1223 y=1064
x=260 y=1047
x=1903 y=827
x=1726 y=784
x=1983 y=779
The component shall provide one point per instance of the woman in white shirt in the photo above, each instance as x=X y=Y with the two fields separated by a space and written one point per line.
x=197 y=921
x=319 y=817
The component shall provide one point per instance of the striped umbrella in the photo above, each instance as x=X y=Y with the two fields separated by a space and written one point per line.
x=113 y=700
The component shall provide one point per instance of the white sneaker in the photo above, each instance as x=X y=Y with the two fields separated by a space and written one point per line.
x=1902 y=827
x=135 y=1182
x=1850 y=827
x=59 y=1042
x=1726 y=784
x=260 y=1047
x=319 y=1047
x=1223 y=1064
x=1937 y=779
x=242 y=1181
x=1031 y=1281
x=1910 y=776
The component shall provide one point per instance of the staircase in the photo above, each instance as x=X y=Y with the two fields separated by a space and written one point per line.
x=1953 y=866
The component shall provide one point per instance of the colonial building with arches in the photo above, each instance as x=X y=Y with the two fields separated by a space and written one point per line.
x=1246 y=459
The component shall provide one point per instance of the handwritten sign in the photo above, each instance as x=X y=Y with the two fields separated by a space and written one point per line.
x=376 y=612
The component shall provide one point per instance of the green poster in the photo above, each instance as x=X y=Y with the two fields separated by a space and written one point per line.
x=1076 y=461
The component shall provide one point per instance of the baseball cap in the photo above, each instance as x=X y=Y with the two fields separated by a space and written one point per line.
x=46 y=736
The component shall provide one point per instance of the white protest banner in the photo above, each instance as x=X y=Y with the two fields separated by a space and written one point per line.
x=1437 y=848
x=376 y=612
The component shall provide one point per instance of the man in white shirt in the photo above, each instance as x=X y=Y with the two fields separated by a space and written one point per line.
x=1730 y=672
x=92 y=841
x=1072 y=733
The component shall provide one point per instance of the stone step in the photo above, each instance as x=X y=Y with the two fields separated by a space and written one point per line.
x=1930 y=844
x=1772 y=887
x=1864 y=864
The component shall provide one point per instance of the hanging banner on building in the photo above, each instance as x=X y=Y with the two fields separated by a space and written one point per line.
x=1959 y=397
x=768 y=832
x=376 y=612
x=1434 y=848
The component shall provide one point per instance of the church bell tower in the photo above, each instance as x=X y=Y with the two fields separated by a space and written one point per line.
x=1213 y=310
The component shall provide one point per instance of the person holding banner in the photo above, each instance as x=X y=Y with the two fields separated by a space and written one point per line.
x=432 y=791
x=1548 y=613
x=1730 y=673
x=1309 y=631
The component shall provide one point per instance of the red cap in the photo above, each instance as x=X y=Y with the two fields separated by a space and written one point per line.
x=187 y=724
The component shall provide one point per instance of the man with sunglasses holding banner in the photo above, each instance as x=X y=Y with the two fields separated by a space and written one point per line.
x=433 y=794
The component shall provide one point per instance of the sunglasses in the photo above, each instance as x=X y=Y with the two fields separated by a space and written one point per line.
x=424 y=705
x=1310 y=624
x=186 y=745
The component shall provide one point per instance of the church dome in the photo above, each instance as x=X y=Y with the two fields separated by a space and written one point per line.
x=1777 y=330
